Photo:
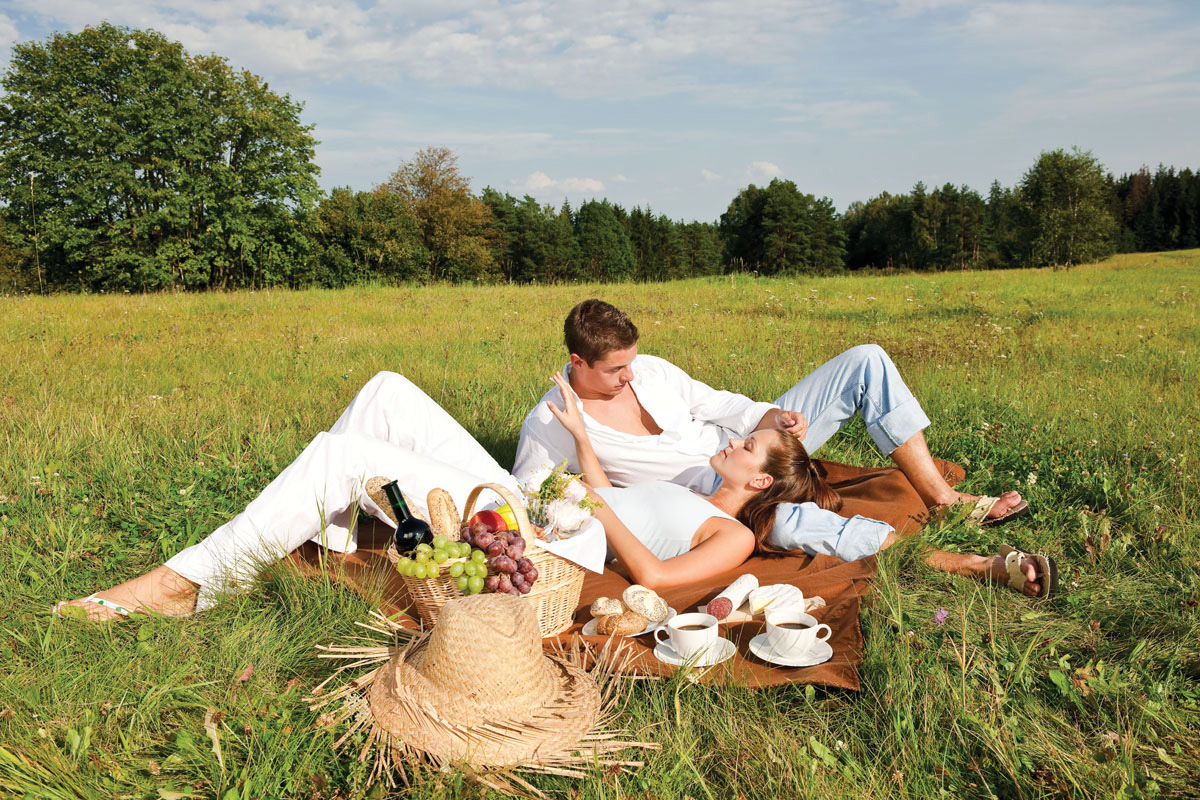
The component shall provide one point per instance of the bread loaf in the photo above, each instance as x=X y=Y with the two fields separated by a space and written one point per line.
x=645 y=602
x=621 y=624
x=603 y=606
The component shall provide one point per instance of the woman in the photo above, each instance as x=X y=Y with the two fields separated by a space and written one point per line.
x=682 y=537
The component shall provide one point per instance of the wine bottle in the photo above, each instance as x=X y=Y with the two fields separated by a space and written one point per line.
x=410 y=531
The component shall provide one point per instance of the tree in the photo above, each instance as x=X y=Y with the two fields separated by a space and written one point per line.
x=781 y=229
x=1065 y=209
x=150 y=167
x=453 y=222
x=362 y=236
x=604 y=245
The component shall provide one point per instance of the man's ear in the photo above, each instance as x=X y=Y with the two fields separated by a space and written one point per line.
x=577 y=361
x=761 y=481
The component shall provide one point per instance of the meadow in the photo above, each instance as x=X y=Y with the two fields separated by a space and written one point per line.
x=133 y=425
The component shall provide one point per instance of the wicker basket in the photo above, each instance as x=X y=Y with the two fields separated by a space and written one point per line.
x=555 y=594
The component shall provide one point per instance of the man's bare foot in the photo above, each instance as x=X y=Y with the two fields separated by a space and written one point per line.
x=160 y=591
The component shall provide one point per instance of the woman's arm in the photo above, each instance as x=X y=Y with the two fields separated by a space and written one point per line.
x=572 y=419
x=727 y=546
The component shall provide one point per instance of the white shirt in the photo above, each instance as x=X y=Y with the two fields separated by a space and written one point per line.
x=696 y=421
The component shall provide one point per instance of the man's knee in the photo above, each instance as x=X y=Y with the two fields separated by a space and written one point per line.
x=866 y=353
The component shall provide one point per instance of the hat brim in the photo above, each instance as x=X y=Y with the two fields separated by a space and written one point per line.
x=525 y=735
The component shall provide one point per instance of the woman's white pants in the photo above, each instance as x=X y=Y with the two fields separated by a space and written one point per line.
x=391 y=428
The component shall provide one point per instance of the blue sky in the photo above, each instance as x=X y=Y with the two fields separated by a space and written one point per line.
x=678 y=105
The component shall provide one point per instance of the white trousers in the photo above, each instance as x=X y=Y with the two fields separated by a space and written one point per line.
x=391 y=428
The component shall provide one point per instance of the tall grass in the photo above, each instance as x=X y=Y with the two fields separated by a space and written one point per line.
x=133 y=425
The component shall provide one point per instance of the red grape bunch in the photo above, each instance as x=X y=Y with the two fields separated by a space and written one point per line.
x=509 y=571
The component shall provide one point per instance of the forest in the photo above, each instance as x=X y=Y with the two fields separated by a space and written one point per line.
x=127 y=164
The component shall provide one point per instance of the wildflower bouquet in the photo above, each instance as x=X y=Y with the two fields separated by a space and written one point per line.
x=556 y=500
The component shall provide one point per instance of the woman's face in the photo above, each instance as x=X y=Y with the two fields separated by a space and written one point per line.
x=742 y=460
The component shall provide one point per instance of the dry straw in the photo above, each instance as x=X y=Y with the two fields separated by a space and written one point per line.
x=478 y=694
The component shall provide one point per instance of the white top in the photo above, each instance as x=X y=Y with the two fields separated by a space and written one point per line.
x=696 y=422
x=663 y=516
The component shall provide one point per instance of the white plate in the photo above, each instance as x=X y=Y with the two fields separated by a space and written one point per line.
x=589 y=627
x=819 y=653
x=718 y=652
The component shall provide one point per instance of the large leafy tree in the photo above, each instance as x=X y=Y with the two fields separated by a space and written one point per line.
x=1066 y=210
x=453 y=223
x=127 y=163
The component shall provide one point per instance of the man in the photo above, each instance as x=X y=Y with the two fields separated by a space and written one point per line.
x=648 y=420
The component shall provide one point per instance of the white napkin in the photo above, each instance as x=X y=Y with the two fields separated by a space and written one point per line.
x=588 y=548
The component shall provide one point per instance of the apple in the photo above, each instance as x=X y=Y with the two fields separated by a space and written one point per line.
x=491 y=520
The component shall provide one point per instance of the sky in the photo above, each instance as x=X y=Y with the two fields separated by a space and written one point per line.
x=677 y=106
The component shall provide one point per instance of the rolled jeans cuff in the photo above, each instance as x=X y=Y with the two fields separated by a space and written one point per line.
x=898 y=425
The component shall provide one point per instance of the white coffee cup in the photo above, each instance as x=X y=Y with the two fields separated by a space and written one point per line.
x=689 y=634
x=793 y=631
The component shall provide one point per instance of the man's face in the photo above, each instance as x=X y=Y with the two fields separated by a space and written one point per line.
x=606 y=377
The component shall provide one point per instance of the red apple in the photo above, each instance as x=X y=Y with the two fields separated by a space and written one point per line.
x=491 y=520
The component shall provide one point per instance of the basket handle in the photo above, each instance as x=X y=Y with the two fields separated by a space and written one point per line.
x=523 y=523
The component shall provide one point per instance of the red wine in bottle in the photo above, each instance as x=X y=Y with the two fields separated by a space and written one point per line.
x=410 y=531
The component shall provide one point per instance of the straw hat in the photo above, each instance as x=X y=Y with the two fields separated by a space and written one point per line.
x=478 y=689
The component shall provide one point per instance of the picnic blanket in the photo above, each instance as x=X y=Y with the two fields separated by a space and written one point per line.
x=879 y=493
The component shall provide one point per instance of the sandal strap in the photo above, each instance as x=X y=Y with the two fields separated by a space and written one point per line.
x=983 y=506
x=1012 y=565
x=109 y=604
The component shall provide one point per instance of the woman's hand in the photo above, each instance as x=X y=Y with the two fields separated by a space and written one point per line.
x=570 y=416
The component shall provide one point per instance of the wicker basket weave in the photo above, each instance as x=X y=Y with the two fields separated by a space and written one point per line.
x=555 y=594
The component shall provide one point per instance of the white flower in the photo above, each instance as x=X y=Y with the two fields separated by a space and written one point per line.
x=533 y=480
x=575 y=491
x=567 y=515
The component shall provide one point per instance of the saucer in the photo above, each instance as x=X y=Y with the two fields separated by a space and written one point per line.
x=589 y=627
x=719 y=651
x=819 y=653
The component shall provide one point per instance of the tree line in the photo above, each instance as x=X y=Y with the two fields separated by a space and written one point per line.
x=127 y=164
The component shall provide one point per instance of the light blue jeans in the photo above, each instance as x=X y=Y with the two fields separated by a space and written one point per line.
x=863 y=380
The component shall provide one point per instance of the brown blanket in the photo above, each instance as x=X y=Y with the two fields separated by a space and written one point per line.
x=878 y=493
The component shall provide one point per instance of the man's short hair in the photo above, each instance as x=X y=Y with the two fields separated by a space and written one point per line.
x=595 y=328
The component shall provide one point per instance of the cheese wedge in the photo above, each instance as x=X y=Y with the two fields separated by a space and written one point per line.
x=775 y=594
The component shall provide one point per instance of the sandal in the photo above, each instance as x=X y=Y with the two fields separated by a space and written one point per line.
x=984 y=506
x=65 y=611
x=1047 y=571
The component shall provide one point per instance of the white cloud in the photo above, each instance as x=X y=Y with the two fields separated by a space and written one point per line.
x=619 y=178
x=764 y=170
x=709 y=176
x=848 y=114
x=539 y=183
x=8 y=32
x=574 y=48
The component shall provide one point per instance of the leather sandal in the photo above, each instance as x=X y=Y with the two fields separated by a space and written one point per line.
x=1047 y=571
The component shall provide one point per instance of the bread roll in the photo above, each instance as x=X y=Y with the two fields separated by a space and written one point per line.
x=621 y=624
x=443 y=515
x=603 y=606
x=645 y=602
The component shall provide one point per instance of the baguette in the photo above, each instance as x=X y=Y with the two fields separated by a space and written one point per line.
x=621 y=624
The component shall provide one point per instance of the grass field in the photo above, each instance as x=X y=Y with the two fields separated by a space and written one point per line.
x=133 y=425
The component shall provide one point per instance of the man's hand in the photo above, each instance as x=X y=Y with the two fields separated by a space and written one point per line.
x=792 y=422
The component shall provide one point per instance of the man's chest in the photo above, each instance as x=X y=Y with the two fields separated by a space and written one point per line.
x=623 y=413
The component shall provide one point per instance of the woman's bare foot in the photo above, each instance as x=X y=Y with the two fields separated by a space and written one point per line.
x=160 y=591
